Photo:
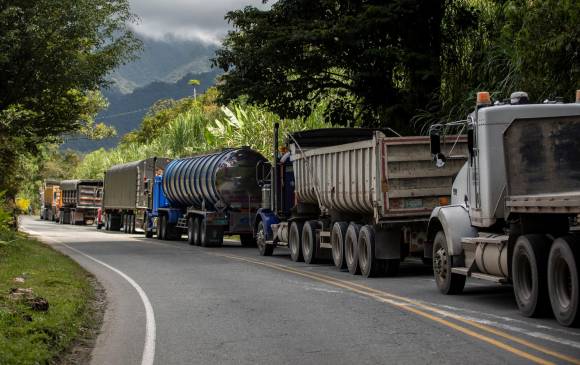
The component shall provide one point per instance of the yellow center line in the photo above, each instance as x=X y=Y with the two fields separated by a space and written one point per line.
x=392 y=299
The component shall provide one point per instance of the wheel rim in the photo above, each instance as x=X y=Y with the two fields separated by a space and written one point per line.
x=563 y=281
x=195 y=231
x=349 y=251
x=523 y=277
x=190 y=230
x=293 y=244
x=363 y=255
x=306 y=248
x=441 y=264
x=260 y=238
x=336 y=247
x=203 y=232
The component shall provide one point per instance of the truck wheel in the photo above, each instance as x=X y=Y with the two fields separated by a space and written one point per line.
x=529 y=268
x=163 y=228
x=203 y=236
x=190 y=231
x=563 y=284
x=295 y=241
x=146 y=228
x=197 y=231
x=337 y=237
x=263 y=248
x=248 y=240
x=368 y=263
x=310 y=246
x=447 y=282
x=351 y=248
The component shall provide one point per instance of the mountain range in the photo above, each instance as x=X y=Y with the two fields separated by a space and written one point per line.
x=161 y=72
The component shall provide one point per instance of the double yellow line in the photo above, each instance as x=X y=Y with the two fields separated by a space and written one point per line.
x=423 y=310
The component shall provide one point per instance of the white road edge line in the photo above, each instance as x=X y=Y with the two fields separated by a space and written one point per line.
x=149 y=349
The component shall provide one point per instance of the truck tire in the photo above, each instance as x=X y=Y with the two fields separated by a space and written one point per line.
x=447 y=282
x=337 y=237
x=162 y=233
x=563 y=280
x=351 y=248
x=529 y=269
x=263 y=248
x=197 y=231
x=203 y=236
x=190 y=230
x=295 y=241
x=247 y=240
x=369 y=265
x=310 y=245
x=146 y=228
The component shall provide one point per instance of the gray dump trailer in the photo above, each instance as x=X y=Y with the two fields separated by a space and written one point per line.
x=364 y=203
x=81 y=200
x=128 y=193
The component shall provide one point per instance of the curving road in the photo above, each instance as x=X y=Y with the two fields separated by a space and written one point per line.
x=171 y=303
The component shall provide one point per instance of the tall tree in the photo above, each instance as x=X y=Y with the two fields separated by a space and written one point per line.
x=378 y=60
x=53 y=54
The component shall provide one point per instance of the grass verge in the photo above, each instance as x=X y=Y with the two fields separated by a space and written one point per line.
x=30 y=336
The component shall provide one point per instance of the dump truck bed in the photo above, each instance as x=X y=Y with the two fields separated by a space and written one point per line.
x=384 y=177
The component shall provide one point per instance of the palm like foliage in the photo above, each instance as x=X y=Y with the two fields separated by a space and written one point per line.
x=193 y=131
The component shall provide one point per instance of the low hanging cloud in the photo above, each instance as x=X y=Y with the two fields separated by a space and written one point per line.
x=187 y=19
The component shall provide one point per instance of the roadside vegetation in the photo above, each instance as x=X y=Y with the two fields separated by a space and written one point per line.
x=45 y=300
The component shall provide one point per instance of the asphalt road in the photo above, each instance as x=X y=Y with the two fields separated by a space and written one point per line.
x=171 y=303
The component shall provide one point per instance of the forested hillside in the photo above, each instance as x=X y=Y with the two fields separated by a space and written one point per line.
x=126 y=111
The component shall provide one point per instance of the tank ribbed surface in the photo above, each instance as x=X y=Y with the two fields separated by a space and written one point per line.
x=228 y=177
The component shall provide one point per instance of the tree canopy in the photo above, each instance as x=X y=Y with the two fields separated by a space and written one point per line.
x=401 y=63
x=53 y=55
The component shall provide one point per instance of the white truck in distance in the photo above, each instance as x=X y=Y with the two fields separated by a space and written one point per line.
x=514 y=209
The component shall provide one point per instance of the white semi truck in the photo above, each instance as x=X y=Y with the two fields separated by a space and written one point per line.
x=514 y=209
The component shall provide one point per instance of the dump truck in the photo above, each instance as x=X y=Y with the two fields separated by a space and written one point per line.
x=208 y=196
x=355 y=196
x=50 y=200
x=128 y=194
x=513 y=217
x=81 y=200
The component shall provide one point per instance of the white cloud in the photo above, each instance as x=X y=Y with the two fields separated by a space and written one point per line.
x=187 y=19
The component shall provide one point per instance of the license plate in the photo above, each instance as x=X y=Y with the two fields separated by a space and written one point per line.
x=413 y=203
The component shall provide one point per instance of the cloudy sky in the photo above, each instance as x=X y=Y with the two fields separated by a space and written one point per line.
x=190 y=19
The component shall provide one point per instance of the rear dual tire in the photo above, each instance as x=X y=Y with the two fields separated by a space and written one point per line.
x=529 y=268
x=369 y=264
x=351 y=248
x=310 y=245
x=563 y=280
x=295 y=241
x=337 y=238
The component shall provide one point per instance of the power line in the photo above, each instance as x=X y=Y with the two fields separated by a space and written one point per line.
x=124 y=113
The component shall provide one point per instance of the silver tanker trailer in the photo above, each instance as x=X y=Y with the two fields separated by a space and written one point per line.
x=209 y=196
x=356 y=196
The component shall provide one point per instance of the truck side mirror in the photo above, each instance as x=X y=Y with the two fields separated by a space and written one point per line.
x=435 y=143
x=438 y=157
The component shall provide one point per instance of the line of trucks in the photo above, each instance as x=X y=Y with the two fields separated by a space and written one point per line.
x=498 y=199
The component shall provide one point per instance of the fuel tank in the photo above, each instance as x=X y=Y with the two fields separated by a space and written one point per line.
x=225 y=179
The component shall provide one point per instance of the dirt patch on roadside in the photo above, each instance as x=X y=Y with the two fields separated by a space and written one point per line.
x=81 y=349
